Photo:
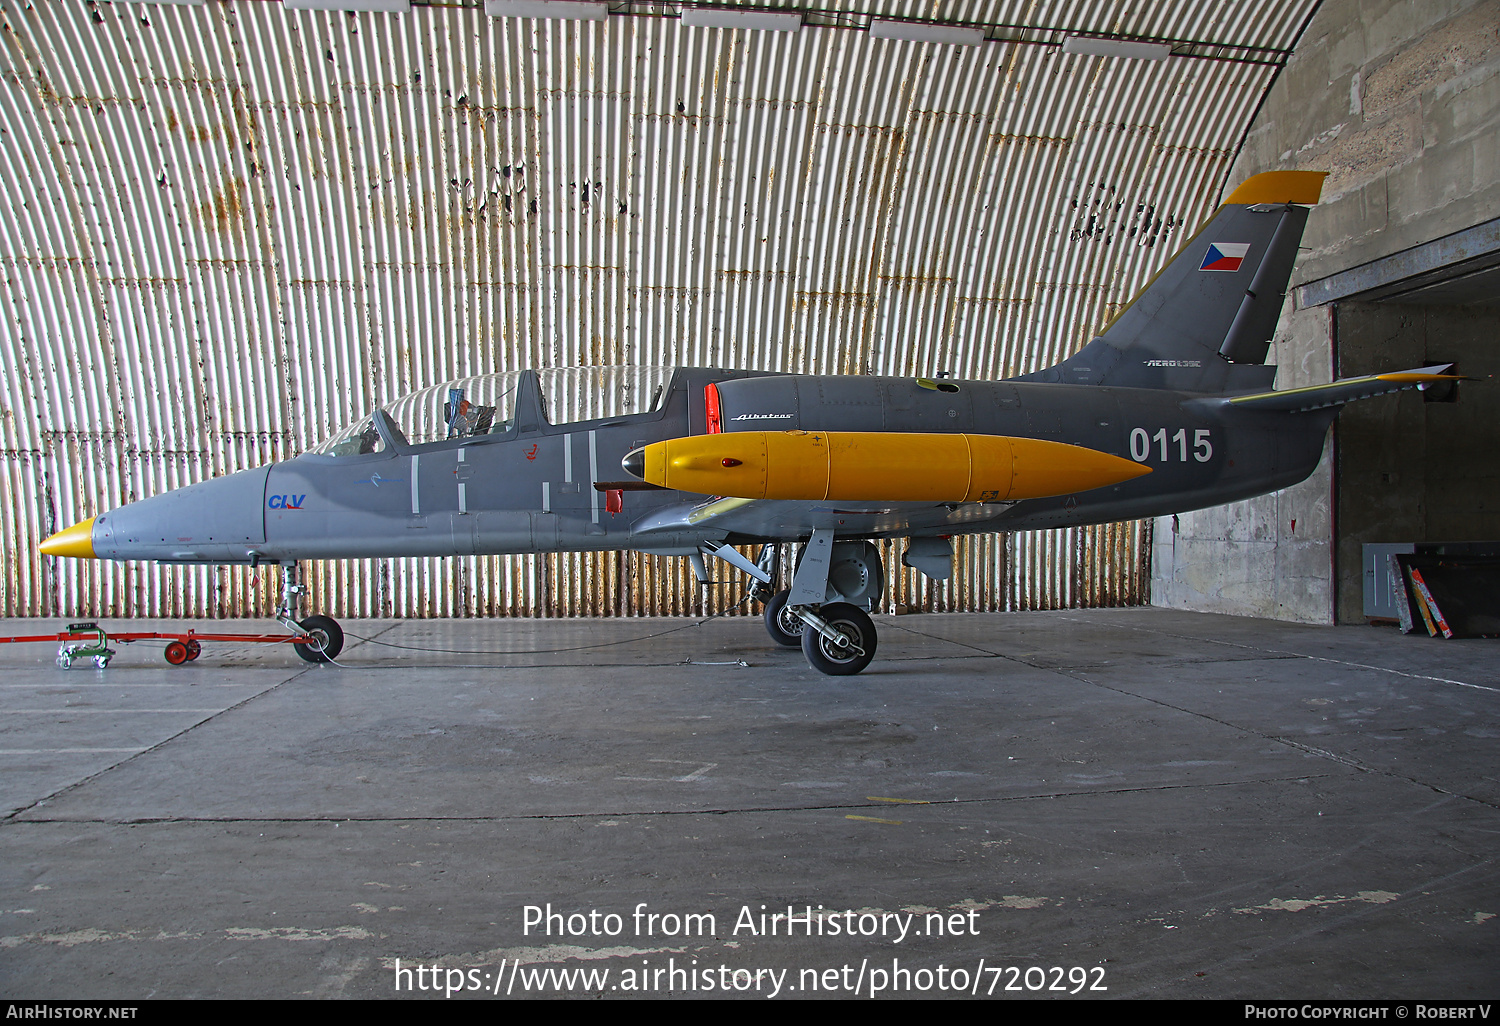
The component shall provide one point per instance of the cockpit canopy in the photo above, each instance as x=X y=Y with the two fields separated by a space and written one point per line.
x=485 y=404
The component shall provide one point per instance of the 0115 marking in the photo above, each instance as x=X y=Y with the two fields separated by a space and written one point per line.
x=1141 y=440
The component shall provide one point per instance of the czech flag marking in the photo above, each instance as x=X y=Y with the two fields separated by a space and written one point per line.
x=1225 y=256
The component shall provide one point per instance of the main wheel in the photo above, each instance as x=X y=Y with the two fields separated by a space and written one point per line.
x=176 y=653
x=784 y=626
x=839 y=660
x=328 y=639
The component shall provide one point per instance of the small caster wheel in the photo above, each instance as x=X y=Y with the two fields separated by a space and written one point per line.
x=64 y=662
x=194 y=650
x=101 y=662
x=176 y=653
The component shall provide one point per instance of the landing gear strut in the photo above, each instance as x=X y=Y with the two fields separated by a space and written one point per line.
x=326 y=634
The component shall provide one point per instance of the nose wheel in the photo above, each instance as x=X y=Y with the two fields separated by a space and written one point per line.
x=327 y=639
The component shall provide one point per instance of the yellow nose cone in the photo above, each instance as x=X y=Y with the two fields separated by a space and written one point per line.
x=77 y=540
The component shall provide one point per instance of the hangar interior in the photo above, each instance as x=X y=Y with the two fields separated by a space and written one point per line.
x=508 y=194
x=235 y=227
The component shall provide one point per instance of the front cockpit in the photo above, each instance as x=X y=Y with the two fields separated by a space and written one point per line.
x=478 y=405
x=493 y=404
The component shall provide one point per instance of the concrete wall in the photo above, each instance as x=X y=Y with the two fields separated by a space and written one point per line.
x=1409 y=469
x=1400 y=103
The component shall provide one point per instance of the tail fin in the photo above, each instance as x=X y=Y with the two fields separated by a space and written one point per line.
x=1204 y=323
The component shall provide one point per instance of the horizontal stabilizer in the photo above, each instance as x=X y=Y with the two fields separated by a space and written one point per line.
x=1317 y=397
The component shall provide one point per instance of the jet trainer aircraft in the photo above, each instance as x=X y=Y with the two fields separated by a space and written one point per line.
x=1169 y=409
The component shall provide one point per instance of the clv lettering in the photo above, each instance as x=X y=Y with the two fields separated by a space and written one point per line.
x=285 y=501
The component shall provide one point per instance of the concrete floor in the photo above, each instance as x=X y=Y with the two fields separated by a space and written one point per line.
x=1175 y=804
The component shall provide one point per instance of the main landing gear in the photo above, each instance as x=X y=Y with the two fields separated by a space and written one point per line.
x=824 y=612
x=782 y=621
x=843 y=643
x=326 y=637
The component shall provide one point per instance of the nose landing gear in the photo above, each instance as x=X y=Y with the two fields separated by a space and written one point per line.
x=326 y=637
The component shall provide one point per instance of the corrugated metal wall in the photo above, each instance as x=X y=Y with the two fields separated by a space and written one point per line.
x=233 y=228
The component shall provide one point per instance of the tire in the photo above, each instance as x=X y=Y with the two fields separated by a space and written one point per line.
x=784 y=626
x=328 y=639
x=194 y=650
x=826 y=657
x=176 y=653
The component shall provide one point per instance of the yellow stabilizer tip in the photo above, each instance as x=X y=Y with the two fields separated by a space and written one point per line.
x=77 y=541
x=1419 y=378
x=1303 y=187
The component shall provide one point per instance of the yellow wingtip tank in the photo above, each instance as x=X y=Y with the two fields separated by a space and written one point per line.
x=77 y=541
x=880 y=466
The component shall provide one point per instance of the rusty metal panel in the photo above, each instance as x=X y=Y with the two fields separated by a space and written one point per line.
x=232 y=229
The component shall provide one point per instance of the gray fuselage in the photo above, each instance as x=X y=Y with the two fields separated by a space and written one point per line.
x=530 y=485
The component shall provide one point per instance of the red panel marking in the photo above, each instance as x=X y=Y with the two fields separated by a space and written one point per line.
x=614 y=501
x=711 y=408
